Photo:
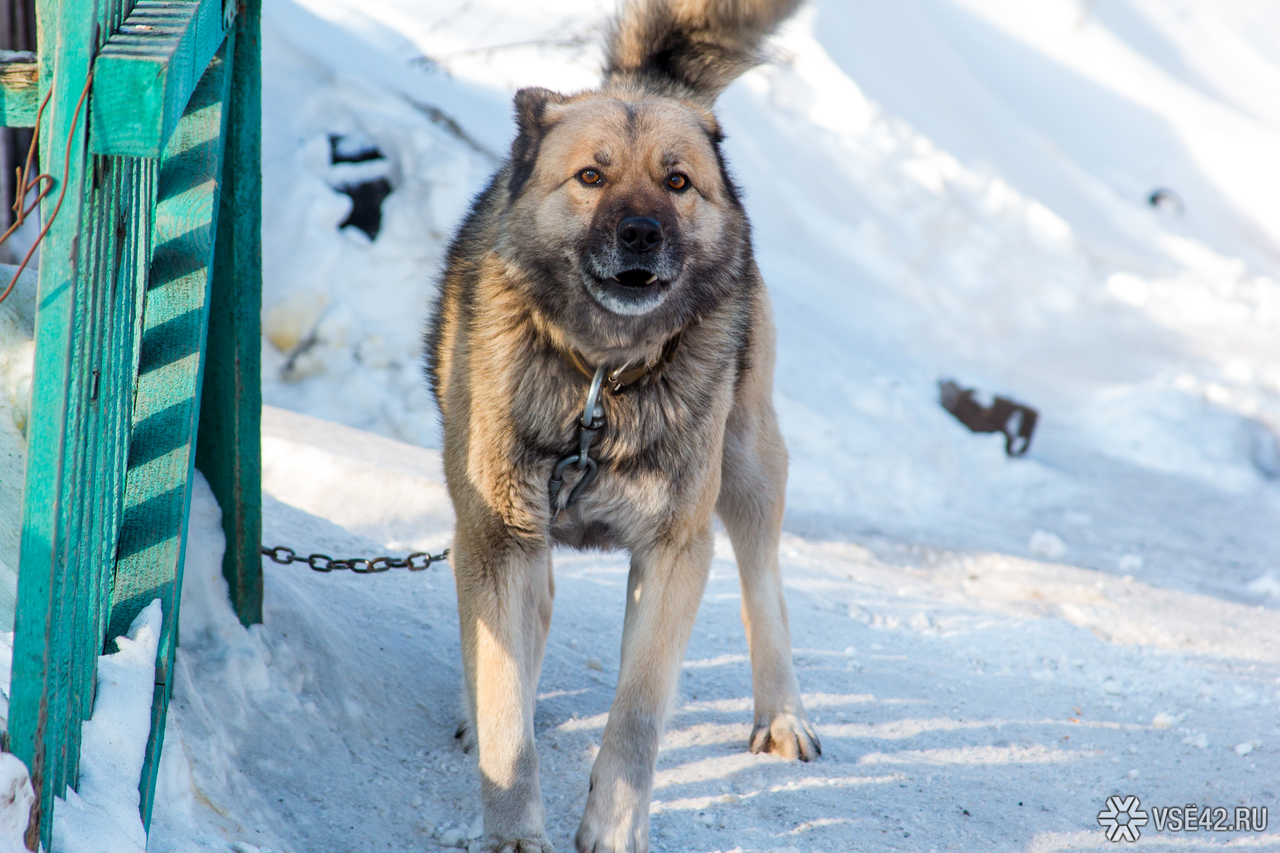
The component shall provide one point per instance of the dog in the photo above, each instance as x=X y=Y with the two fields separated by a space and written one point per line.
x=602 y=353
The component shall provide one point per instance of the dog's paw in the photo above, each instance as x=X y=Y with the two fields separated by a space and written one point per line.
x=612 y=827
x=592 y=840
x=788 y=736
x=520 y=845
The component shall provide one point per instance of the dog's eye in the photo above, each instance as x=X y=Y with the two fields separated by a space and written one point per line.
x=678 y=182
x=590 y=176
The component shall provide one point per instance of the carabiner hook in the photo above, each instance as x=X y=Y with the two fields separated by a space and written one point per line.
x=592 y=411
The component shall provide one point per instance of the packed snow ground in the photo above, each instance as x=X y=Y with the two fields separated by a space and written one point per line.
x=989 y=647
x=965 y=701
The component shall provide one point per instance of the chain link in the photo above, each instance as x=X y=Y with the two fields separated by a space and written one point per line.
x=415 y=562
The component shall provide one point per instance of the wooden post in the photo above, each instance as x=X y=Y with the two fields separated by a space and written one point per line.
x=120 y=342
x=229 y=453
x=167 y=409
x=58 y=562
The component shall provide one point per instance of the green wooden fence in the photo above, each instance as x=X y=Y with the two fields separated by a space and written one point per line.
x=147 y=337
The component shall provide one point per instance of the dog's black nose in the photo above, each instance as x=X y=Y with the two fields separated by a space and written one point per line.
x=640 y=233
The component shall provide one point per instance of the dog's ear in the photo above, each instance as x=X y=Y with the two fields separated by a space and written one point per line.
x=531 y=104
x=531 y=123
x=710 y=125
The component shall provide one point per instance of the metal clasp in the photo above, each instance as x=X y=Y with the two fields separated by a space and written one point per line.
x=589 y=426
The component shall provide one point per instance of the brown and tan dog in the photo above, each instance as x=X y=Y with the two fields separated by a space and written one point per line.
x=612 y=247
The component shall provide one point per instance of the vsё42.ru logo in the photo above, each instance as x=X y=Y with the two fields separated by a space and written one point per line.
x=1123 y=819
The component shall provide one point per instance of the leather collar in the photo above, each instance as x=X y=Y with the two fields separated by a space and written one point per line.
x=623 y=376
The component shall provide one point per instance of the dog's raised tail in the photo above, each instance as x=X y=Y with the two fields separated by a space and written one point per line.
x=690 y=48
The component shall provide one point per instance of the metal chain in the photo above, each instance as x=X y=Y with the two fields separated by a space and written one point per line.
x=415 y=562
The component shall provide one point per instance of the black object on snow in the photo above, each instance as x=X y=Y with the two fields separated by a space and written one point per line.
x=1015 y=420
x=352 y=149
x=366 y=205
x=1163 y=198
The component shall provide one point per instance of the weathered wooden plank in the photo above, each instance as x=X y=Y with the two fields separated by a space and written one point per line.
x=42 y=709
x=229 y=453
x=170 y=375
x=148 y=69
x=91 y=346
x=19 y=93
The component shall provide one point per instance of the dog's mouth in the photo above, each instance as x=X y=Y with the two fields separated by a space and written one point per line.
x=636 y=278
x=630 y=292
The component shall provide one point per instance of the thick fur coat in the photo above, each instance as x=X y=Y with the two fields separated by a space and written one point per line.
x=614 y=237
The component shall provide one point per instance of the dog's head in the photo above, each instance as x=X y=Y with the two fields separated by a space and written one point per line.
x=621 y=214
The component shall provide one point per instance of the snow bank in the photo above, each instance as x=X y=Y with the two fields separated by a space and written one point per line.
x=321 y=97
x=320 y=465
x=318 y=701
x=973 y=205
x=198 y=763
x=101 y=815
x=16 y=800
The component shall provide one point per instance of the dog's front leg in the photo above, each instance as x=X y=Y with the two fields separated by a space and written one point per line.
x=753 y=490
x=663 y=591
x=504 y=611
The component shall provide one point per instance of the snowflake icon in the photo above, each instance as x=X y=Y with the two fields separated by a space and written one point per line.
x=1121 y=819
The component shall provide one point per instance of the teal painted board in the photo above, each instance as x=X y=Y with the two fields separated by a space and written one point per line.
x=19 y=93
x=87 y=319
x=148 y=69
x=170 y=374
x=229 y=452
x=124 y=298
x=39 y=702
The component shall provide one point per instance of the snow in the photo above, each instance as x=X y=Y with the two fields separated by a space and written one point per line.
x=16 y=799
x=101 y=814
x=990 y=647
x=972 y=205
x=941 y=683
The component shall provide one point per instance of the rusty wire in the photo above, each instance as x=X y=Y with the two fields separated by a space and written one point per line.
x=43 y=183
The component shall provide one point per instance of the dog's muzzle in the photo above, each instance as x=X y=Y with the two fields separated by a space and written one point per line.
x=630 y=282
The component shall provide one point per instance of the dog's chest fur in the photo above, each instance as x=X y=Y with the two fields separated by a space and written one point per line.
x=659 y=451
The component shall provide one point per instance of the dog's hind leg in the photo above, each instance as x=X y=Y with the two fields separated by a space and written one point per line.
x=504 y=610
x=663 y=591
x=753 y=485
